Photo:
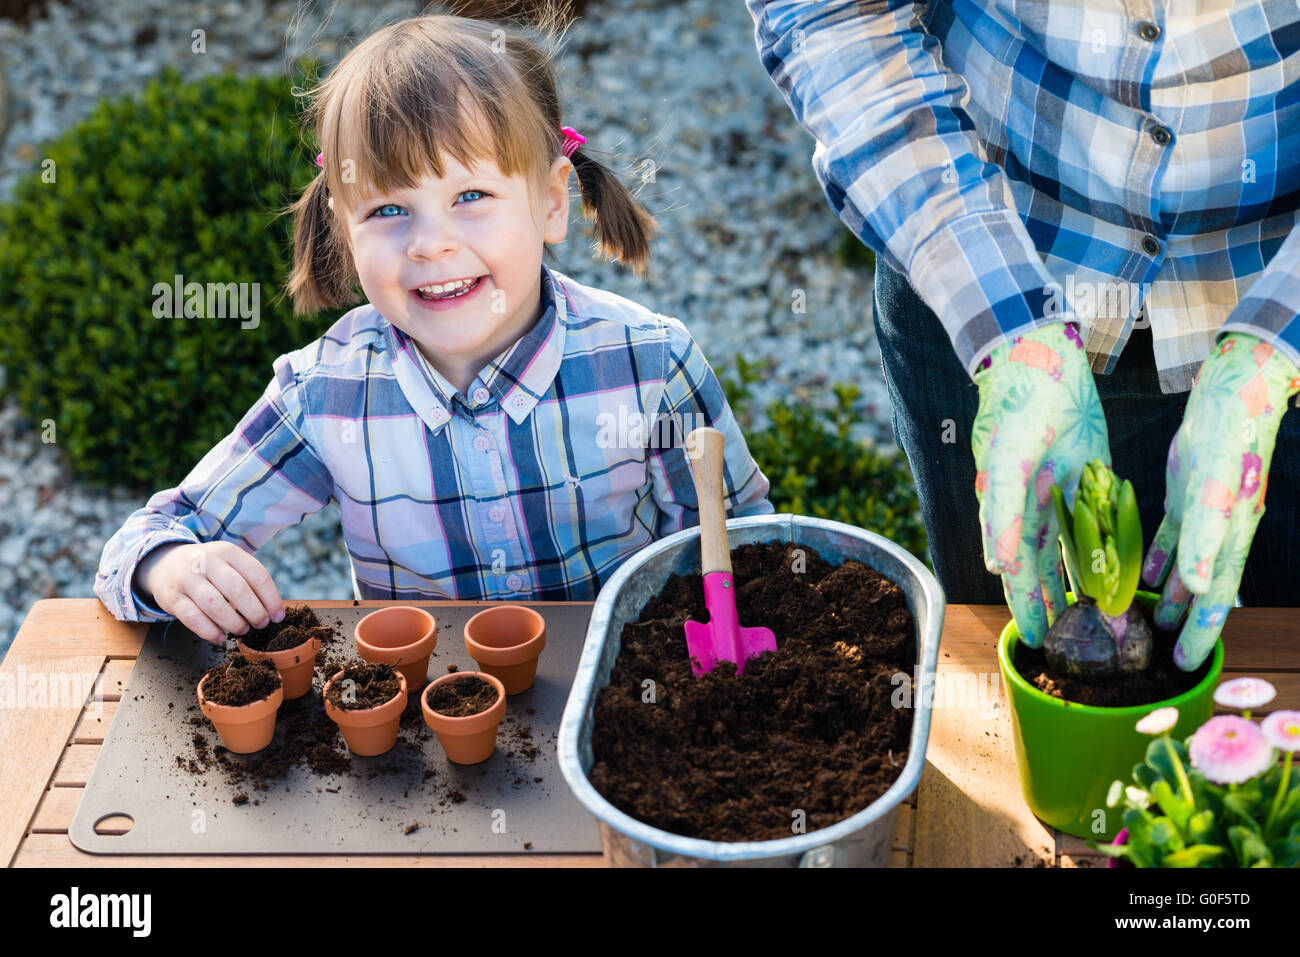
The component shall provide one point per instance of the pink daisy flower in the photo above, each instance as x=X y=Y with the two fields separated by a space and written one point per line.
x=1229 y=750
x=1244 y=694
x=1282 y=729
x=1158 y=721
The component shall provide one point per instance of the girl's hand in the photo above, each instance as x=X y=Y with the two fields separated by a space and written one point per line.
x=212 y=588
x=1215 y=480
x=1039 y=421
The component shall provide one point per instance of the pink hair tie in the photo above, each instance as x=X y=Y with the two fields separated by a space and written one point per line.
x=572 y=140
x=320 y=160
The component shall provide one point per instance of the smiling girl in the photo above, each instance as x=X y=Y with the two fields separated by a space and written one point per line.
x=460 y=416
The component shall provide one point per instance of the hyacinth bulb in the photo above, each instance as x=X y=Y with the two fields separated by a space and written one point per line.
x=1085 y=642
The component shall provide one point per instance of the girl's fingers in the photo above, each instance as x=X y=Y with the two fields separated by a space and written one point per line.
x=231 y=584
x=214 y=605
x=259 y=580
x=188 y=614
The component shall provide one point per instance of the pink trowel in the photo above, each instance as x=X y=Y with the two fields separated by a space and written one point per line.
x=722 y=639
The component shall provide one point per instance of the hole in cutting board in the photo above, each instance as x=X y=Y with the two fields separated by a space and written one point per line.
x=114 y=825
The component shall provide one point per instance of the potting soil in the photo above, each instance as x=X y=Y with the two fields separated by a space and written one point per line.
x=300 y=624
x=806 y=737
x=239 y=681
x=373 y=685
x=462 y=697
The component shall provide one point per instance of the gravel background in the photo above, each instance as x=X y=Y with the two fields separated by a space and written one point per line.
x=743 y=222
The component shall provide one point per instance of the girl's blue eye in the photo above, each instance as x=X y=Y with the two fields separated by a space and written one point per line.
x=477 y=192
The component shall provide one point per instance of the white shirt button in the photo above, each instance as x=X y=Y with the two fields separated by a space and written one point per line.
x=520 y=401
x=514 y=583
x=482 y=442
x=481 y=395
x=496 y=513
x=437 y=413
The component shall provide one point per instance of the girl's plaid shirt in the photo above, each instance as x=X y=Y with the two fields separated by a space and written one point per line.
x=564 y=459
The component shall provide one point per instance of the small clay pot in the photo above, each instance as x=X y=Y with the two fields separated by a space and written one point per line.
x=401 y=636
x=294 y=664
x=471 y=739
x=368 y=731
x=506 y=641
x=246 y=728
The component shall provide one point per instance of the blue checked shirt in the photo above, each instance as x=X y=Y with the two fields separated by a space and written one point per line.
x=1021 y=161
x=564 y=460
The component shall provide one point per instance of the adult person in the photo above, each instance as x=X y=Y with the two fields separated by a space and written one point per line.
x=1060 y=189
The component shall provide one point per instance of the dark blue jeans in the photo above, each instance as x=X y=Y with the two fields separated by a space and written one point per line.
x=928 y=385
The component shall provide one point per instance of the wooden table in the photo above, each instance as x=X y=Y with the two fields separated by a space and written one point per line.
x=967 y=810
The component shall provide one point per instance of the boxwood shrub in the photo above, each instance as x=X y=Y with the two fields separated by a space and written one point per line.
x=183 y=179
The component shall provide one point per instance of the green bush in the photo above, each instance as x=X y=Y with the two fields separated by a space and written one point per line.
x=816 y=468
x=185 y=179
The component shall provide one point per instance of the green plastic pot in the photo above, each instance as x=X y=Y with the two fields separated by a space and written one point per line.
x=1069 y=754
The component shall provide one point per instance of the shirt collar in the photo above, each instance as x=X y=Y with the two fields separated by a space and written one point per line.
x=517 y=378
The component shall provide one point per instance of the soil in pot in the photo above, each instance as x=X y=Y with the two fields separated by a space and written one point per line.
x=1162 y=679
x=460 y=699
x=375 y=684
x=806 y=737
x=300 y=625
x=239 y=681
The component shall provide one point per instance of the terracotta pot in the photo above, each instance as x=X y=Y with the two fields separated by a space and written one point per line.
x=473 y=738
x=294 y=664
x=506 y=641
x=368 y=731
x=401 y=636
x=246 y=728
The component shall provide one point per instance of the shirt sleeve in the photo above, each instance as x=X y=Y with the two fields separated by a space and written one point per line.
x=899 y=162
x=262 y=477
x=693 y=398
x=1271 y=309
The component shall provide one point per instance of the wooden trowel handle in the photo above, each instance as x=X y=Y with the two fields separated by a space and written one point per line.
x=704 y=449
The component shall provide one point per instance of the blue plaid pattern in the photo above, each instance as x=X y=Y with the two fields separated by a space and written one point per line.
x=1021 y=162
x=563 y=461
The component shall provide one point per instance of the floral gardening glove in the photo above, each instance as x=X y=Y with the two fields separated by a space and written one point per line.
x=1039 y=421
x=1215 y=480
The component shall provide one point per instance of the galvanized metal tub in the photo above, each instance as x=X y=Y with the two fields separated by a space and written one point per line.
x=862 y=840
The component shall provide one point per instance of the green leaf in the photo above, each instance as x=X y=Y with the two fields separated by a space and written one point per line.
x=1201 y=827
x=1177 y=809
x=1087 y=540
x=1198 y=855
x=1250 y=849
x=1128 y=535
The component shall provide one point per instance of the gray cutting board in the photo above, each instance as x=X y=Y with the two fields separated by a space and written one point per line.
x=176 y=812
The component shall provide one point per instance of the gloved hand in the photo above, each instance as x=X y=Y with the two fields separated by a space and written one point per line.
x=1039 y=421
x=1215 y=480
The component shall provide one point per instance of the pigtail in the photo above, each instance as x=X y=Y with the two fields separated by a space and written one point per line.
x=323 y=273
x=623 y=227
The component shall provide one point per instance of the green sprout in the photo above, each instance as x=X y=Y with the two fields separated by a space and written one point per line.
x=1102 y=539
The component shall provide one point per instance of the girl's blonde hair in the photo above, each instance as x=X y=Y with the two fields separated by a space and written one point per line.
x=423 y=88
